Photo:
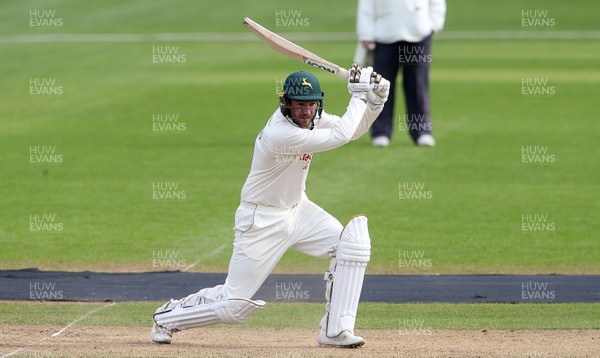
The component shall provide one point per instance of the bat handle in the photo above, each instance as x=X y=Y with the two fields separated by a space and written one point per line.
x=342 y=73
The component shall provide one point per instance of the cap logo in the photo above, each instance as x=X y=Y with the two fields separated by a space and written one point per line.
x=304 y=83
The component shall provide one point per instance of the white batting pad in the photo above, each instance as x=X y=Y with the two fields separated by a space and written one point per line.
x=197 y=311
x=353 y=254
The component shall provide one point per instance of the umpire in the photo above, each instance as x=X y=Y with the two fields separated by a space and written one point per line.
x=400 y=32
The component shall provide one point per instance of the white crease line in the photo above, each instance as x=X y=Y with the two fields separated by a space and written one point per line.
x=516 y=35
x=56 y=334
x=206 y=255
x=293 y=36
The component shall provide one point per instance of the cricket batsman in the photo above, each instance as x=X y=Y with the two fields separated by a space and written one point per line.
x=275 y=215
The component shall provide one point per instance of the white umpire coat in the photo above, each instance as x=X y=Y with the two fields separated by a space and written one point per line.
x=389 y=21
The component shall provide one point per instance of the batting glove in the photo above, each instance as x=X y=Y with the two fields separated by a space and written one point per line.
x=359 y=79
x=378 y=94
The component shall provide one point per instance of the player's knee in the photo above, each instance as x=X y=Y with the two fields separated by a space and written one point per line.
x=355 y=243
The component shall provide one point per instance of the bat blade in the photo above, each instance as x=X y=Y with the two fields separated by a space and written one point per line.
x=293 y=51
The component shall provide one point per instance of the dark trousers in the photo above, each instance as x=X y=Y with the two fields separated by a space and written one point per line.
x=415 y=58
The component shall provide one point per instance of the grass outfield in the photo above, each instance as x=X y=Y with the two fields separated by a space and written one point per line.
x=566 y=316
x=481 y=189
x=101 y=126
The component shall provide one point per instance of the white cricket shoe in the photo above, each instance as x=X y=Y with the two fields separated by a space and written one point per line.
x=426 y=140
x=160 y=334
x=381 y=141
x=343 y=340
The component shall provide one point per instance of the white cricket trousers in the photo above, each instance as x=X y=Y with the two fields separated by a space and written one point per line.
x=263 y=234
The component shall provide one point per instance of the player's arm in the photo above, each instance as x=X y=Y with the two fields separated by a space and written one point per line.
x=335 y=131
x=363 y=100
x=327 y=120
x=321 y=139
x=376 y=97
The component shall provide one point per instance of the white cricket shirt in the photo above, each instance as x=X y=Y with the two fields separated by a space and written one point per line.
x=283 y=152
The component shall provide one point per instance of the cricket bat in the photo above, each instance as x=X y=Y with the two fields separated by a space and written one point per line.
x=293 y=51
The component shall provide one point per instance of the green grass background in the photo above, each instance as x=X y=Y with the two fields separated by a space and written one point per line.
x=307 y=315
x=225 y=92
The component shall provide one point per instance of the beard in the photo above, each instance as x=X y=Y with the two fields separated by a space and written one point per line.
x=304 y=122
